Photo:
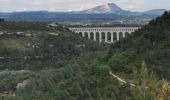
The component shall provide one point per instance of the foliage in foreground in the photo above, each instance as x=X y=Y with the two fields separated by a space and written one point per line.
x=92 y=83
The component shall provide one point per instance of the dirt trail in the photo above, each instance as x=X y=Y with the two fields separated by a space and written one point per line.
x=120 y=80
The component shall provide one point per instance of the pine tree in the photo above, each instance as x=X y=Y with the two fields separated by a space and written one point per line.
x=147 y=85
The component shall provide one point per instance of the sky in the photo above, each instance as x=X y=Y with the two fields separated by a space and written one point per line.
x=78 y=5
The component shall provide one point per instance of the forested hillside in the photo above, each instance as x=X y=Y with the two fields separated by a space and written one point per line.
x=150 y=44
x=39 y=46
x=55 y=64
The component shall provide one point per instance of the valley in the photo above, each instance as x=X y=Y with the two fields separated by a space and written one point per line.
x=59 y=64
x=100 y=53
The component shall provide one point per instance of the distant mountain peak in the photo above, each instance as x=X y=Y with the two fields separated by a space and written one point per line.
x=107 y=8
x=112 y=5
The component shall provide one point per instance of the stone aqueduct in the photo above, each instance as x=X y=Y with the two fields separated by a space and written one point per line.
x=104 y=34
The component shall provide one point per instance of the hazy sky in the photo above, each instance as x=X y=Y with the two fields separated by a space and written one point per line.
x=76 y=5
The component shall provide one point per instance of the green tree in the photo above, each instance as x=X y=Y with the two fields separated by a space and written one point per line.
x=146 y=85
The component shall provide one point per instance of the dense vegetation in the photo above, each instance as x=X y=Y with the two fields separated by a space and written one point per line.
x=151 y=44
x=60 y=65
x=45 y=47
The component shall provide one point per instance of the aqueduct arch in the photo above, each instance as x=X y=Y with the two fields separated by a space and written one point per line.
x=104 y=34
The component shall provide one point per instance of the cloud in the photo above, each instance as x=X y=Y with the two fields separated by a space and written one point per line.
x=133 y=4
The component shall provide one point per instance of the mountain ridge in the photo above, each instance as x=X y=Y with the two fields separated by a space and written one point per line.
x=100 y=14
x=109 y=8
x=112 y=8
